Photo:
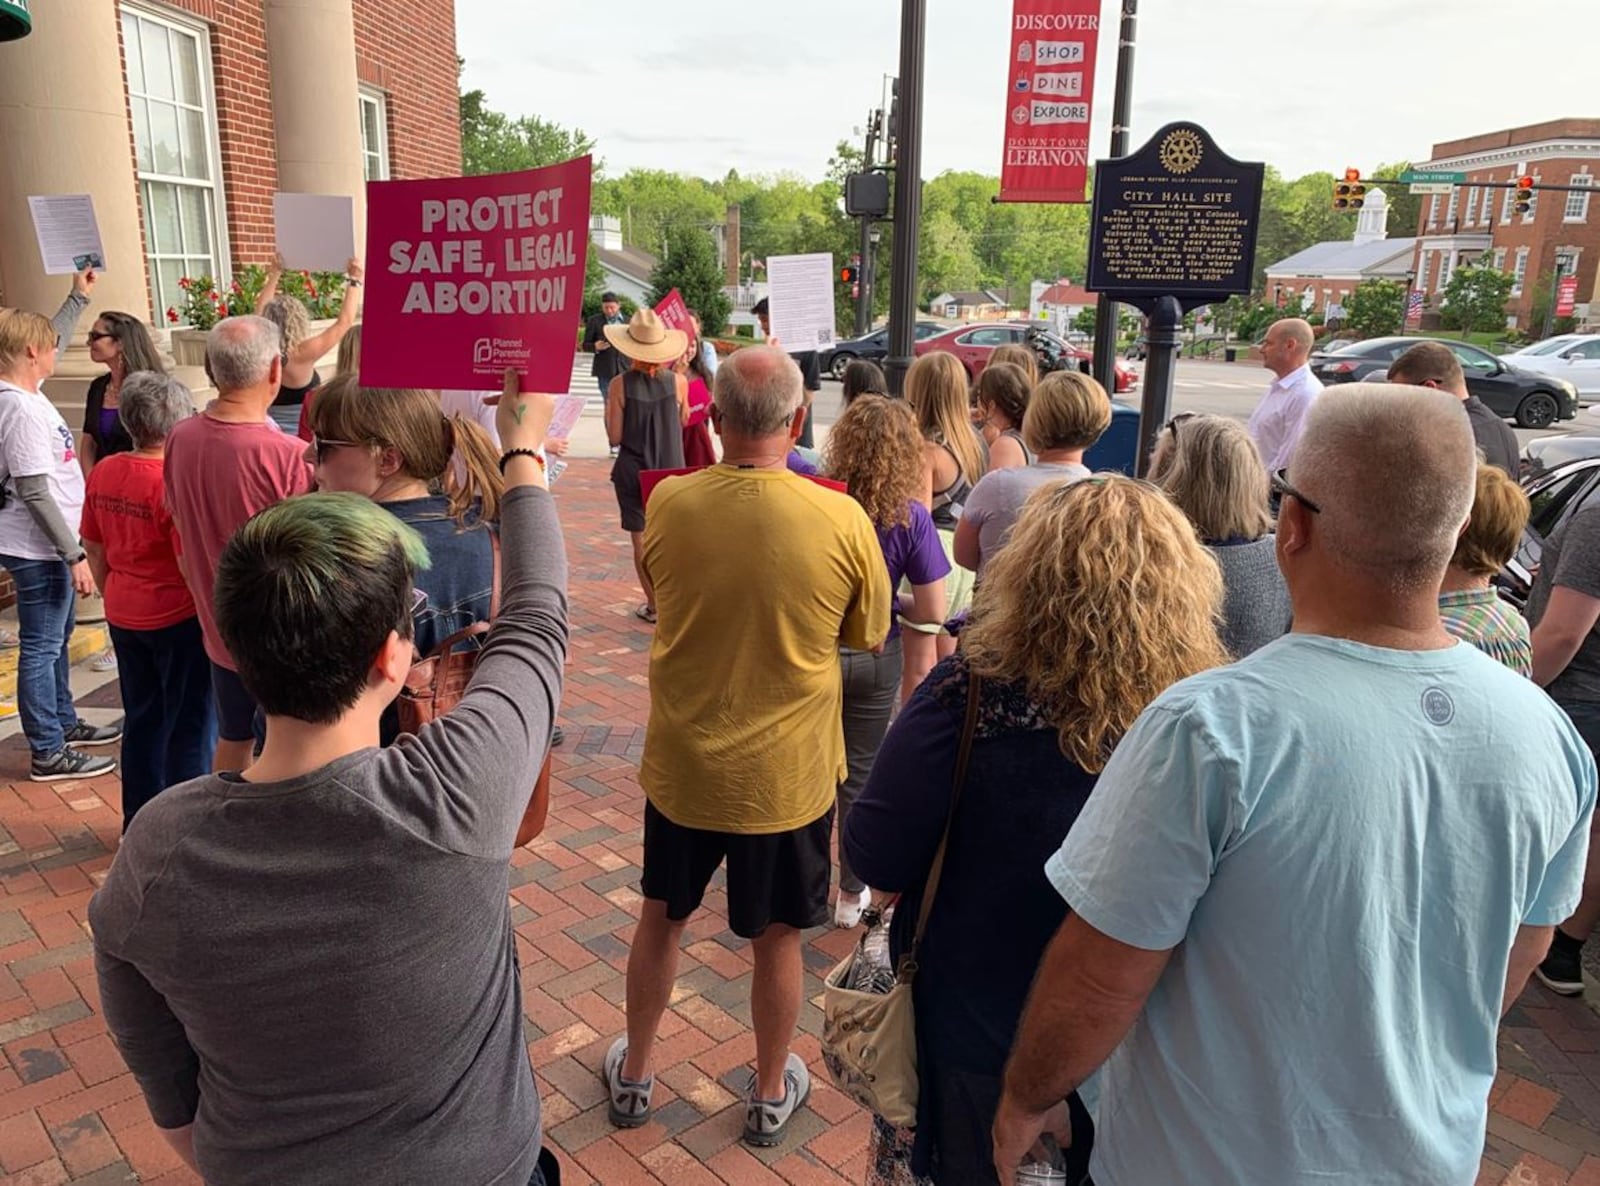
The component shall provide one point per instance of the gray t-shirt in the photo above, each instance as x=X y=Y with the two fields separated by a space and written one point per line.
x=996 y=501
x=1571 y=559
x=321 y=973
x=1255 y=605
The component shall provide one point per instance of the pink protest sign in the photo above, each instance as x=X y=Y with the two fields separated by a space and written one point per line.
x=467 y=276
x=674 y=313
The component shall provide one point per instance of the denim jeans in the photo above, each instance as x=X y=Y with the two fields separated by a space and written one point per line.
x=871 y=683
x=45 y=603
x=170 y=732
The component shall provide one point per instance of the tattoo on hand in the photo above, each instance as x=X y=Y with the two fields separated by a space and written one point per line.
x=522 y=410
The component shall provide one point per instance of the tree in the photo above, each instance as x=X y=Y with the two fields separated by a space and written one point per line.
x=1475 y=298
x=1376 y=308
x=1405 y=207
x=690 y=265
x=493 y=142
x=1084 y=322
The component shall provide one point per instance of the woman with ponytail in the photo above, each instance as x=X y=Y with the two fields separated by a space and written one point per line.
x=395 y=447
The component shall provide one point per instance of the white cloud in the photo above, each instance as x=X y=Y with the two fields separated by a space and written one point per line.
x=770 y=85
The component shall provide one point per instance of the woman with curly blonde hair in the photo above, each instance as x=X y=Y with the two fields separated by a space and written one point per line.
x=1102 y=600
x=876 y=450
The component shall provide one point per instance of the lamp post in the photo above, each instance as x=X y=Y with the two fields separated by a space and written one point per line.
x=907 y=195
x=1106 y=314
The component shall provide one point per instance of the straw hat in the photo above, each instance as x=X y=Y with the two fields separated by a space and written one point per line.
x=645 y=339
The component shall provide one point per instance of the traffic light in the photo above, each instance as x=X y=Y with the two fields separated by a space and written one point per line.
x=849 y=274
x=1351 y=193
x=1524 y=195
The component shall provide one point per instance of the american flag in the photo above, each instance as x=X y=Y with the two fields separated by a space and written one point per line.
x=1414 y=308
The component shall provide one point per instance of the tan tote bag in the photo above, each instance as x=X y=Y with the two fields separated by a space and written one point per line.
x=869 y=1040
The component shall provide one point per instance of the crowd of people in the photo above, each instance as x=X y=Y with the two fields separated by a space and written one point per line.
x=1124 y=743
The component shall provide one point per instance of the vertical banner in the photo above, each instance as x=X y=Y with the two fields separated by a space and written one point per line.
x=467 y=276
x=1049 y=98
x=1566 y=296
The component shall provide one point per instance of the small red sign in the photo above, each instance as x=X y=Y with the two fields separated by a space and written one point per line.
x=1049 y=98
x=674 y=313
x=1566 y=296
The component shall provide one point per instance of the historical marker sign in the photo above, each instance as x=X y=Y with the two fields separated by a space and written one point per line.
x=1177 y=218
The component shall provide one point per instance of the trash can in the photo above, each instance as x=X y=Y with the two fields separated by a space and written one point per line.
x=1118 y=446
x=1229 y=354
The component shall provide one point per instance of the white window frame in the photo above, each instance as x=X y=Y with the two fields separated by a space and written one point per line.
x=222 y=256
x=1499 y=259
x=1433 y=210
x=1447 y=261
x=1577 y=206
x=1455 y=206
x=1472 y=207
x=1424 y=268
x=1508 y=205
x=1519 y=272
x=371 y=96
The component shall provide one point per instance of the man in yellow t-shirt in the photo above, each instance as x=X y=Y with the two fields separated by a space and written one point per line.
x=760 y=576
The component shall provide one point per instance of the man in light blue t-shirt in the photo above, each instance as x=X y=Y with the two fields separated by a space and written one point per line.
x=1307 y=885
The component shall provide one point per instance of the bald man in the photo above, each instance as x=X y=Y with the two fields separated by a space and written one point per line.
x=1361 y=862
x=1276 y=422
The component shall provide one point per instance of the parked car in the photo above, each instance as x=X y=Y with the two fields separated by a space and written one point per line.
x=1542 y=455
x=973 y=344
x=1554 y=497
x=1532 y=399
x=873 y=347
x=1574 y=357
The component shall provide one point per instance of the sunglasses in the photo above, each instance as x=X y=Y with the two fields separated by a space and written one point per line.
x=1172 y=425
x=1281 y=487
x=322 y=446
x=95 y=337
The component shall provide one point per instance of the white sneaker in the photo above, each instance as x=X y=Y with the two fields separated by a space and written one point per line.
x=848 y=909
x=106 y=660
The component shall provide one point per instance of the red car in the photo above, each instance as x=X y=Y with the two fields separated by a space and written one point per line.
x=973 y=344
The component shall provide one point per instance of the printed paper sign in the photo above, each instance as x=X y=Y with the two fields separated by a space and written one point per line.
x=69 y=236
x=800 y=297
x=1049 y=93
x=569 y=408
x=467 y=276
x=315 y=232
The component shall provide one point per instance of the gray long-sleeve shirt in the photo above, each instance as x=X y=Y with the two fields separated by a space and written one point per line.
x=320 y=973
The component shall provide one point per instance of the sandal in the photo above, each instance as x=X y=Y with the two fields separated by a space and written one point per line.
x=645 y=614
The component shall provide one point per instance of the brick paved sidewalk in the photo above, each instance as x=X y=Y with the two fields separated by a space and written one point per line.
x=69 y=1112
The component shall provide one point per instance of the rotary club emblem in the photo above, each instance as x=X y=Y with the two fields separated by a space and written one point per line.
x=1181 y=151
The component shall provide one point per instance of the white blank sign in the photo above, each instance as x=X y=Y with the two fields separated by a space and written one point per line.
x=316 y=232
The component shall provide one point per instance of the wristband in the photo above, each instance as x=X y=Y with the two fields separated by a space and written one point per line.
x=351 y=282
x=510 y=453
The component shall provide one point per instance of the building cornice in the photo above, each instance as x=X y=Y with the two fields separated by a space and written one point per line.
x=1527 y=154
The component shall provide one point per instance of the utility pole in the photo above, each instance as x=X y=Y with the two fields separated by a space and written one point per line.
x=1106 y=310
x=907 y=195
x=864 y=278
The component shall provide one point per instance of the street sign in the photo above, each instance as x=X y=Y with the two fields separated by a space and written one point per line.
x=1443 y=188
x=1428 y=176
x=1177 y=218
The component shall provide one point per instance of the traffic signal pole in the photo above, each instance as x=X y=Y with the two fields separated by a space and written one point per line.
x=907 y=195
x=864 y=277
x=1106 y=310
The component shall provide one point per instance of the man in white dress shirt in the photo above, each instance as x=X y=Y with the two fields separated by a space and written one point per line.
x=1276 y=422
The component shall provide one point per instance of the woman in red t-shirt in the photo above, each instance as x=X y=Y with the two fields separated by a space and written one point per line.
x=697 y=447
x=132 y=547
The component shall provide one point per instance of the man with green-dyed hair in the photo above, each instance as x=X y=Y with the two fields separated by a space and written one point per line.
x=309 y=967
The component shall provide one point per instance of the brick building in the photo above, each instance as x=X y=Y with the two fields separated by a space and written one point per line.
x=1559 y=234
x=183 y=117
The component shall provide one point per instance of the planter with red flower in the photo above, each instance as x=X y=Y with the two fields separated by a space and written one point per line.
x=202 y=304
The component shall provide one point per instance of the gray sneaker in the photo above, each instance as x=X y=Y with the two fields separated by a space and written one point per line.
x=630 y=1102
x=766 y=1120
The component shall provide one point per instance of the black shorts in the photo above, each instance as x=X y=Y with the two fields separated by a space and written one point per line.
x=781 y=877
x=236 y=708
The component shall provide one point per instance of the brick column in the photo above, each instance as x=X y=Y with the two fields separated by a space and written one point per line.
x=311 y=51
x=64 y=125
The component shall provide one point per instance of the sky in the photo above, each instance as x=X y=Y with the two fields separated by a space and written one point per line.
x=768 y=86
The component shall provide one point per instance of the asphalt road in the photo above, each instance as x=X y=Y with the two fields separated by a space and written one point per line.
x=1227 y=389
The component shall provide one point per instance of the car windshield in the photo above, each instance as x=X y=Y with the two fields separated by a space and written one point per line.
x=1551 y=345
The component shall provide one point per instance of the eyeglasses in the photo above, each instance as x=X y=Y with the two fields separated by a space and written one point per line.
x=1281 y=487
x=95 y=336
x=322 y=446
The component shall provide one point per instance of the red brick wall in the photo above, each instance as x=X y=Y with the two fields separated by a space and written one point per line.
x=407 y=48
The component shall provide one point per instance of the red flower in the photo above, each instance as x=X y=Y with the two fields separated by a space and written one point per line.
x=236 y=287
x=172 y=315
x=184 y=283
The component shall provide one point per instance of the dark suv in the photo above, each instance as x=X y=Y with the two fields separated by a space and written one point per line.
x=1531 y=399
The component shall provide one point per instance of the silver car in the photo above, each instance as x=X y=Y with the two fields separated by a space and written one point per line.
x=1573 y=357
